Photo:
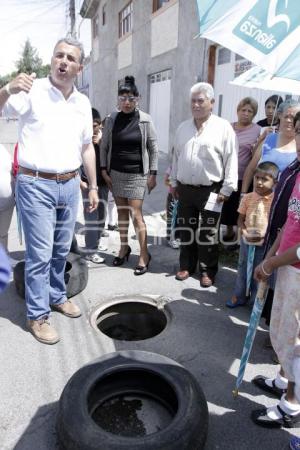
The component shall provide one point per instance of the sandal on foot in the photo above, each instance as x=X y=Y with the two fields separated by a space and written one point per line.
x=260 y=417
x=260 y=382
x=231 y=304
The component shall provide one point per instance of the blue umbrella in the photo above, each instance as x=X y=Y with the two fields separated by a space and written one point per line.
x=265 y=32
x=250 y=259
x=174 y=206
x=5 y=269
x=252 y=327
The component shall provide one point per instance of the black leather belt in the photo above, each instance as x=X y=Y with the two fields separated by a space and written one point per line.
x=215 y=183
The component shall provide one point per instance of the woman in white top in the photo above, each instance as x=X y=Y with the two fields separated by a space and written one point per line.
x=279 y=148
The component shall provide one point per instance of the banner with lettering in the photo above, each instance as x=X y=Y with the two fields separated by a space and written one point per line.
x=266 y=32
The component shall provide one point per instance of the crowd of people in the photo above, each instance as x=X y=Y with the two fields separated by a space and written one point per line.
x=243 y=175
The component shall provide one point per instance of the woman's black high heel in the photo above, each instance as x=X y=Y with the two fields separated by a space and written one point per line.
x=140 y=270
x=120 y=261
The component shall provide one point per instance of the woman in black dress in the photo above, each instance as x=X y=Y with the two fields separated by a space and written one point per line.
x=128 y=158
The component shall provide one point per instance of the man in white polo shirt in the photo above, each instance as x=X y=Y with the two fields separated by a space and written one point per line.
x=204 y=162
x=55 y=137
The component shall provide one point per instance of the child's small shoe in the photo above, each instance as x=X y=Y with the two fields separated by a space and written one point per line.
x=174 y=243
x=234 y=302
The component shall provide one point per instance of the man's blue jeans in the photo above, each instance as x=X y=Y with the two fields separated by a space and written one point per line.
x=48 y=211
x=241 y=278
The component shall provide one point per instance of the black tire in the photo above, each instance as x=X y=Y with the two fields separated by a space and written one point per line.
x=19 y=278
x=76 y=275
x=132 y=372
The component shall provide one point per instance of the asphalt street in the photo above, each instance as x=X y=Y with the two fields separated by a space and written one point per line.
x=202 y=334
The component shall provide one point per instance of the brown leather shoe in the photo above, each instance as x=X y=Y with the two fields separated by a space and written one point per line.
x=182 y=275
x=42 y=331
x=205 y=280
x=68 y=309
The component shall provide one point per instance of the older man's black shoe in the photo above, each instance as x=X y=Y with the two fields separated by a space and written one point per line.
x=182 y=275
x=206 y=280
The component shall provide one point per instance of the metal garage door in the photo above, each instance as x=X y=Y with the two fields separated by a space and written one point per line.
x=160 y=92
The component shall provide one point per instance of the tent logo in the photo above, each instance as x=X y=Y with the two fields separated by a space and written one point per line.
x=273 y=19
x=268 y=23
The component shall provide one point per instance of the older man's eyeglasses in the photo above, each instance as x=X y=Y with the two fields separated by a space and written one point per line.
x=124 y=98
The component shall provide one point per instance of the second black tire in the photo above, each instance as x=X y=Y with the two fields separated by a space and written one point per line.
x=136 y=372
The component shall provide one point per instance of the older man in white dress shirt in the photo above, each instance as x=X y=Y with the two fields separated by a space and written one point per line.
x=204 y=162
x=55 y=137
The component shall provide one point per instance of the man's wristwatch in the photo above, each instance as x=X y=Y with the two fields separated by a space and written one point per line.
x=93 y=188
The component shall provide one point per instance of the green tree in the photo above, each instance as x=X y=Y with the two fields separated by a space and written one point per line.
x=43 y=71
x=7 y=78
x=29 y=62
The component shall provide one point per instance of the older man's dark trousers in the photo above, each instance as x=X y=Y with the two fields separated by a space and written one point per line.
x=198 y=229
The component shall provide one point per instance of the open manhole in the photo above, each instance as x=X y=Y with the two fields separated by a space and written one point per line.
x=133 y=403
x=132 y=319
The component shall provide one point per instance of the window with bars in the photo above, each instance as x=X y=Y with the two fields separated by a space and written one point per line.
x=224 y=56
x=125 y=20
x=157 y=4
x=161 y=76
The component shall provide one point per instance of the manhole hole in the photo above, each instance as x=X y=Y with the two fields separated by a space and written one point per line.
x=133 y=403
x=130 y=320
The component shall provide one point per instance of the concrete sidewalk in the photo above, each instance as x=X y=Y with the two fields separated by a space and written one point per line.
x=202 y=334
